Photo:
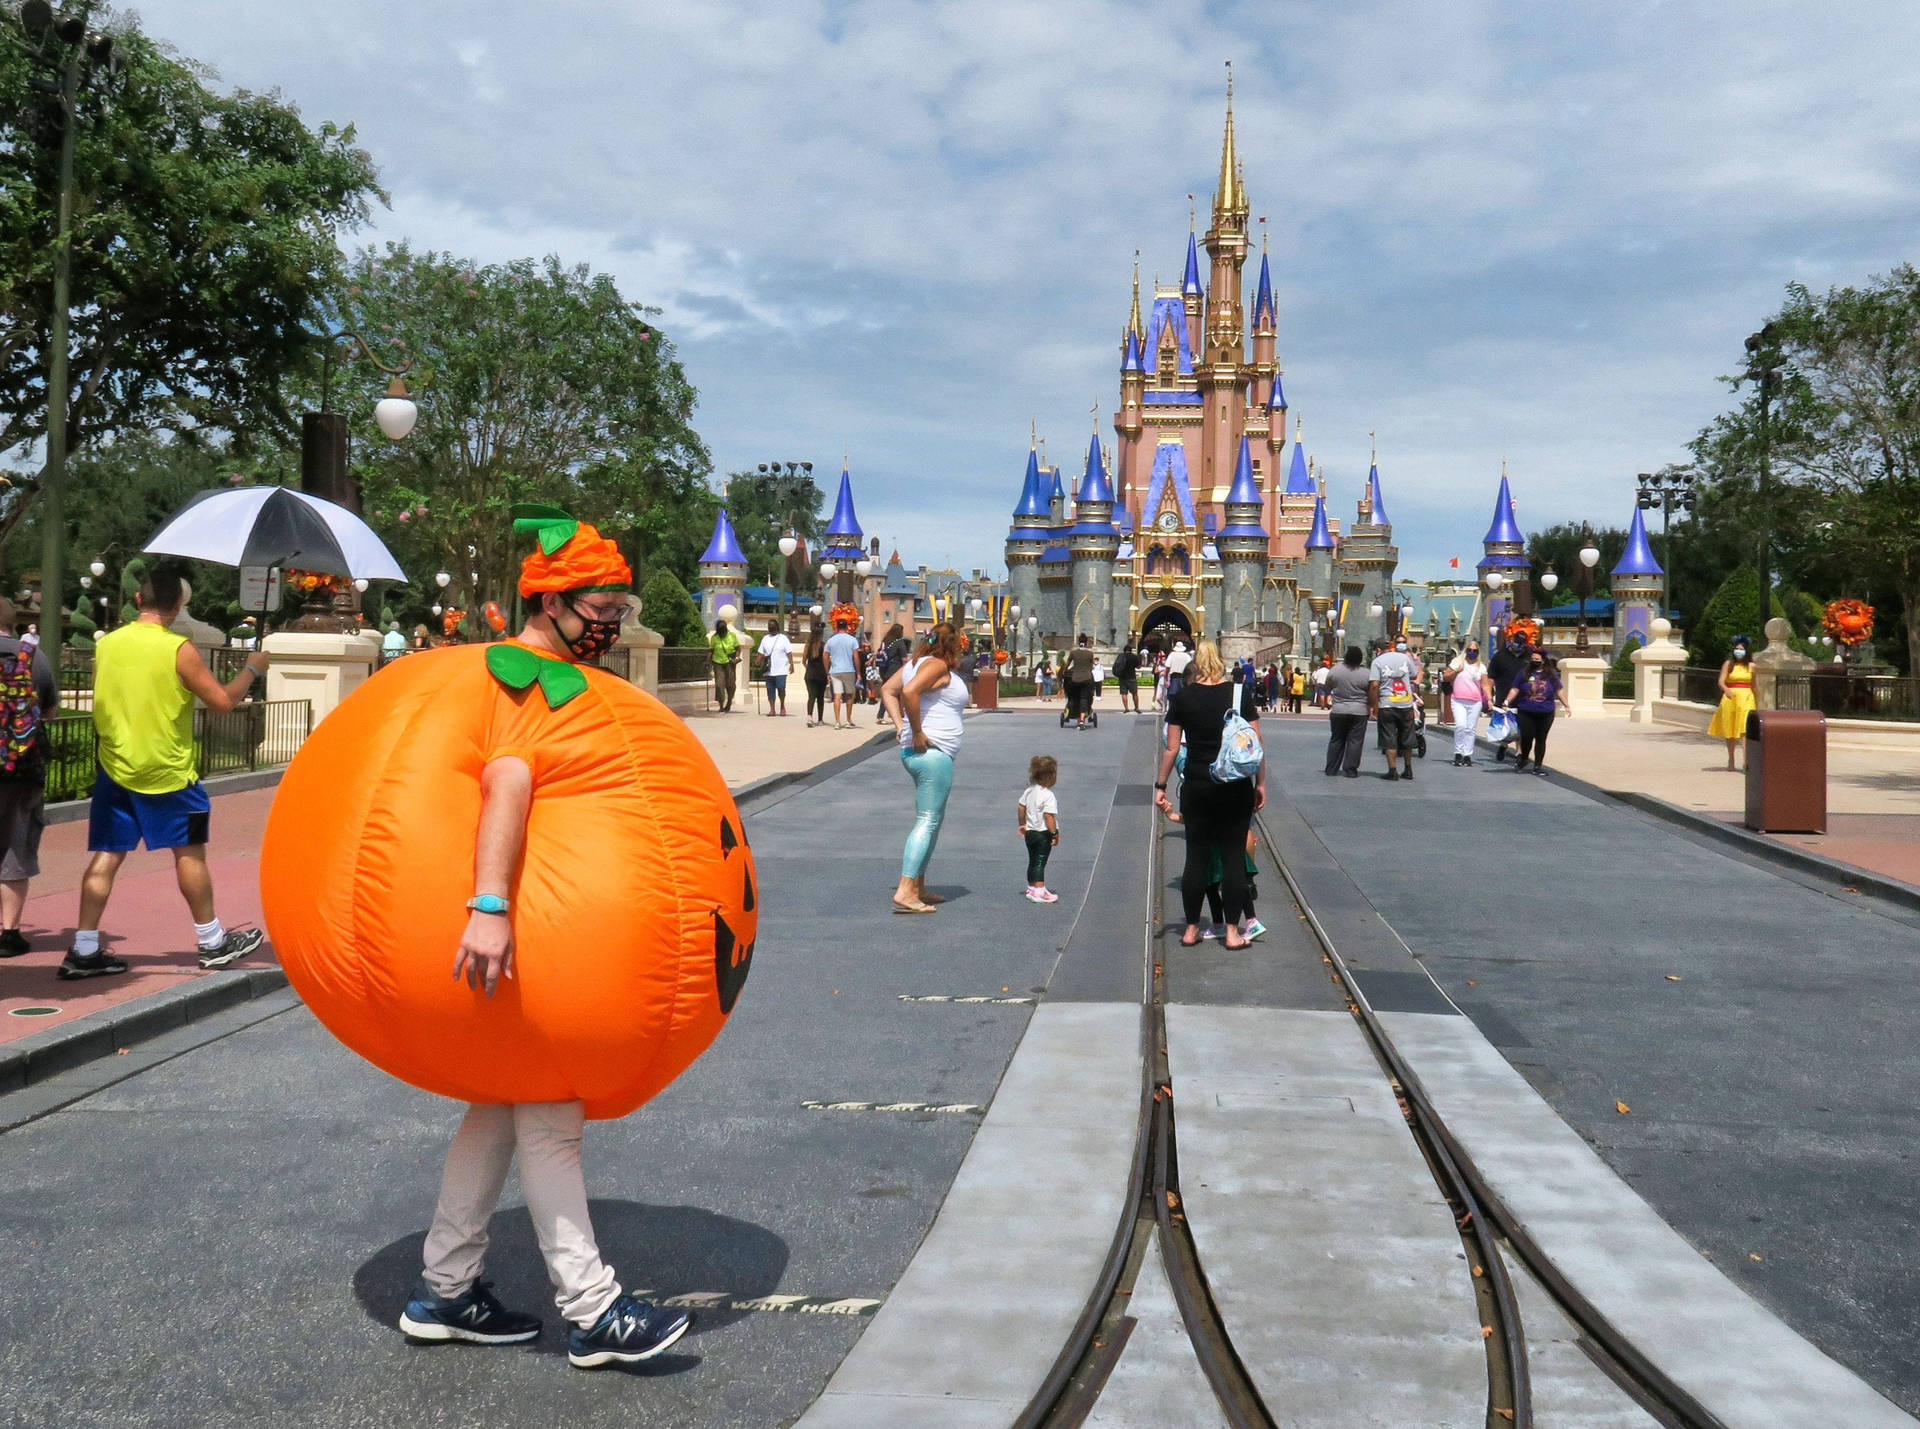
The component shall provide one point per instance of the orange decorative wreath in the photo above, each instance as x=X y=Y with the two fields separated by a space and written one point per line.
x=1848 y=621
x=999 y=657
x=450 y=621
x=1524 y=625
x=844 y=611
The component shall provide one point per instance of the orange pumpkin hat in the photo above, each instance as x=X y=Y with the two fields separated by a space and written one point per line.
x=570 y=554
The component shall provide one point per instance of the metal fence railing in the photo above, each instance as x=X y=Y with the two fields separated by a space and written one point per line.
x=260 y=734
x=619 y=660
x=685 y=664
x=1832 y=690
x=1692 y=683
x=1839 y=694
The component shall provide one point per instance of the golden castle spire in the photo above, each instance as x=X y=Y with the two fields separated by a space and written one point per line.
x=1134 y=324
x=1229 y=199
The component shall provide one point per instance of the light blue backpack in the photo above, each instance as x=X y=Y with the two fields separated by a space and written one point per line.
x=1240 y=751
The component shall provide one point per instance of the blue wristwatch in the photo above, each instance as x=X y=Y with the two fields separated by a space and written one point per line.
x=487 y=903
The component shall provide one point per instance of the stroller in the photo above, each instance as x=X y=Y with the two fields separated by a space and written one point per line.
x=1420 y=731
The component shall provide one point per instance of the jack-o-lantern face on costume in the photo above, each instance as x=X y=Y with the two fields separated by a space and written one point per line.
x=634 y=909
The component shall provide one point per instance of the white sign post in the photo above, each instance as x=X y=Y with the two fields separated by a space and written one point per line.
x=260 y=589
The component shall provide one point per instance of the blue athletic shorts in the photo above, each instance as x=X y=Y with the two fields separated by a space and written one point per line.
x=120 y=819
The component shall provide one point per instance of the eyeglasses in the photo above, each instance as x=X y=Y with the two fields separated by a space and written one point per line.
x=609 y=615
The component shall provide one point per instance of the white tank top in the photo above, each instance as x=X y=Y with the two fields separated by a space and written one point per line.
x=940 y=710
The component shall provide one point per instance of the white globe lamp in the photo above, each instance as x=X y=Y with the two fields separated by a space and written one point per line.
x=815 y=611
x=1589 y=557
x=863 y=566
x=360 y=584
x=99 y=568
x=395 y=413
x=443 y=580
x=1549 y=582
x=788 y=545
x=828 y=570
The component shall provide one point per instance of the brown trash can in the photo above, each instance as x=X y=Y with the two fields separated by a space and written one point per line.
x=986 y=690
x=1787 y=771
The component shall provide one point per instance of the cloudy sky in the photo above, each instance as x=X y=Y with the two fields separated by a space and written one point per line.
x=1530 y=231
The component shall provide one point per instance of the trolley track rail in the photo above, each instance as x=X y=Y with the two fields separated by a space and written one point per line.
x=1489 y=1231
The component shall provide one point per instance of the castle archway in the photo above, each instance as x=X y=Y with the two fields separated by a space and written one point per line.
x=1162 y=622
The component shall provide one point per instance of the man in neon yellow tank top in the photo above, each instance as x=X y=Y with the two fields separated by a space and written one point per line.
x=145 y=681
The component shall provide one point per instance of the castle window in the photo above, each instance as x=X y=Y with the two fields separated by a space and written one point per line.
x=1155 y=555
x=1180 y=561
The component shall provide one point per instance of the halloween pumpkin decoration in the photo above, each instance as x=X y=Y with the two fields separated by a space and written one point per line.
x=844 y=613
x=634 y=909
x=1848 y=621
x=1526 y=627
x=496 y=617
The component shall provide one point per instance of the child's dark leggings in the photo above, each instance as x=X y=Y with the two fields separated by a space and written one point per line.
x=1216 y=904
x=1039 y=845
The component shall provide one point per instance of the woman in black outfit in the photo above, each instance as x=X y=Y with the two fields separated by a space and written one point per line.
x=1215 y=815
x=813 y=666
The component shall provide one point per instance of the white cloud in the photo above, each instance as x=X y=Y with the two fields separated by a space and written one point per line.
x=1537 y=231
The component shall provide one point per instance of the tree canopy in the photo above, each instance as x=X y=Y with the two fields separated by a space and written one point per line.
x=205 y=229
x=536 y=381
x=763 y=508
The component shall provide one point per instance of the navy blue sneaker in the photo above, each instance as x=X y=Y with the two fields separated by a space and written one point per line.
x=630 y=1331
x=476 y=1317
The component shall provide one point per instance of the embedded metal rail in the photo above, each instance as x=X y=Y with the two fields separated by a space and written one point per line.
x=1483 y=1214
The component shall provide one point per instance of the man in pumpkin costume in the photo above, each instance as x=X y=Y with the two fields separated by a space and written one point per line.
x=576 y=583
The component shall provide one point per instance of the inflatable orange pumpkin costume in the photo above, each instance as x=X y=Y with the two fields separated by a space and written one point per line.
x=633 y=908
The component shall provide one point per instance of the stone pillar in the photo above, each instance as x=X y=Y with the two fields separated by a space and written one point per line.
x=1777 y=659
x=1585 y=681
x=1648 y=661
x=643 y=650
x=320 y=669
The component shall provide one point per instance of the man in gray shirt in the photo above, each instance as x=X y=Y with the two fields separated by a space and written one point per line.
x=23 y=773
x=1396 y=693
x=1349 y=689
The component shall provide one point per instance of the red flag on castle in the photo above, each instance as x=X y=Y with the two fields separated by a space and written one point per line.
x=1454 y=561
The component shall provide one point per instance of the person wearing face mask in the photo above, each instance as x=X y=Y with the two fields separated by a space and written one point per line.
x=575 y=585
x=1467 y=682
x=1736 y=698
x=1507 y=664
x=1533 y=695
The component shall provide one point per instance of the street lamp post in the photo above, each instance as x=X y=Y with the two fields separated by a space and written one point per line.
x=1583 y=585
x=1671 y=491
x=63 y=45
x=1033 y=622
x=1763 y=366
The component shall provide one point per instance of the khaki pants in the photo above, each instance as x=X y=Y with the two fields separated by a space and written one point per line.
x=547 y=1136
x=723 y=683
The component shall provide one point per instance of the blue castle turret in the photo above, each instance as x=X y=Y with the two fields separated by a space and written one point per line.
x=1369 y=557
x=844 y=536
x=1241 y=546
x=723 y=571
x=1505 y=551
x=1028 y=539
x=1093 y=543
x=1639 y=587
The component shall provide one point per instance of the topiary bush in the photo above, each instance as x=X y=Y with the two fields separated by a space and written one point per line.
x=666 y=607
x=1734 y=610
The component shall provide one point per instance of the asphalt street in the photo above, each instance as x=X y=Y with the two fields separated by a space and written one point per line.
x=227 y=1237
x=1757 y=1032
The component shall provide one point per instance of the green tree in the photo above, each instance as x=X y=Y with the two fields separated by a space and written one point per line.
x=1734 y=610
x=536 y=382
x=205 y=228
x=666 y=607
x=1559 y=547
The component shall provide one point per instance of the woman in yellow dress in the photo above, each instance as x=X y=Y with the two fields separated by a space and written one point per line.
x=1736 y=698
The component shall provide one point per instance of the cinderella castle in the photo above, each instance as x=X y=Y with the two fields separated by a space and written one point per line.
x=1203 y=518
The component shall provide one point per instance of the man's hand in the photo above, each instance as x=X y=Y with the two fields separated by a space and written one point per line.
x=486 y=952
x=1259 y=797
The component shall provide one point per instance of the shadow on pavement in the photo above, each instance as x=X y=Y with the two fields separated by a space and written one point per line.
x=663 y=1250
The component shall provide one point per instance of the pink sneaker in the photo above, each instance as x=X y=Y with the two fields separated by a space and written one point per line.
x=1044 y=895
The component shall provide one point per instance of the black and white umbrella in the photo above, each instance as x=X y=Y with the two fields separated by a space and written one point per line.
x=276 y=526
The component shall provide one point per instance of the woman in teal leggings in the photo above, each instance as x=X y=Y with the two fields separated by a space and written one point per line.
x=926 y=698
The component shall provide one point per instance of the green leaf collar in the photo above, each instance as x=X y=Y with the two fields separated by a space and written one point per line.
x=516 y=667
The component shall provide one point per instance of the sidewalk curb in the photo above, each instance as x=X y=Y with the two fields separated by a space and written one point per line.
x=41 y=1055
x=1801 y=860
x=1787 y=856
x=772 y=783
